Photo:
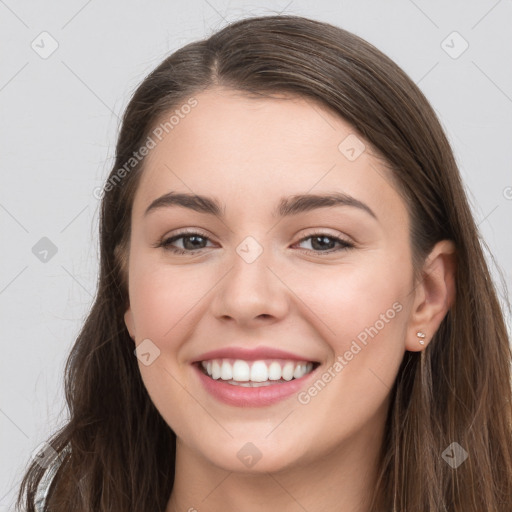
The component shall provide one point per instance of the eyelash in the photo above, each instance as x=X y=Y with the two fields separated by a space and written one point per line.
x=166 y=243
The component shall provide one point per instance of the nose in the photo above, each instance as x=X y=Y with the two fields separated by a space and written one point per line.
x=252 y=293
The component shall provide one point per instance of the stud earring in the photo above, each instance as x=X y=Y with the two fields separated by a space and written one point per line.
x=421 y=335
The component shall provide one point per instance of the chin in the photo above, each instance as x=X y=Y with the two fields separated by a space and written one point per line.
x=246 y=457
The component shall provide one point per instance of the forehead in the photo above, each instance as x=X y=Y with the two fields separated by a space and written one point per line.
x=230 y=124
x=247 y=149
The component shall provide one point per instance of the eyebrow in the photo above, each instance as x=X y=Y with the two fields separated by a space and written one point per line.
x=287 y=206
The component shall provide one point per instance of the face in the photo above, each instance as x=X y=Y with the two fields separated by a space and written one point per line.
x=298 y=307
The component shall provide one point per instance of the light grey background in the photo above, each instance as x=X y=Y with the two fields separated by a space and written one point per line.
x=59 y=121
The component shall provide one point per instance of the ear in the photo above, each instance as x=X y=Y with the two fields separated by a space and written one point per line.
x=433 y=295
x=130 y=324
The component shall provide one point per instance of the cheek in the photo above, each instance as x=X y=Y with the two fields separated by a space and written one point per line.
x=164 y=299
x=351 y=300
x=361 y=313
x=344 y=303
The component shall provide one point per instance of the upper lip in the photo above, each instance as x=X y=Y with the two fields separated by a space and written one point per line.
x=253 y=354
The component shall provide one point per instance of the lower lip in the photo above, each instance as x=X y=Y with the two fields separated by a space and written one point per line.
x=240 y=396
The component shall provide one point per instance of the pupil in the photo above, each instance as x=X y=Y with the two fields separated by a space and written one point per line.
x=323 y=239
x=191 y=239
x=317 y=242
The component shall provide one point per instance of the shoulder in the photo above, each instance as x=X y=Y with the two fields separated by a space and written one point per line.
x=46 y=480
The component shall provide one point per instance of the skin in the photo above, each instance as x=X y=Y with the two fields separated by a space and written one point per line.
x=249 y=153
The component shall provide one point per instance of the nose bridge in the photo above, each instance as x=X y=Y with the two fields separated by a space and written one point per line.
x=250 y=289
x=250 y=249
x=250 y=273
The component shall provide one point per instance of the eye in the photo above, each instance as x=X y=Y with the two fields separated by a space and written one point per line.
x=191 y=242
x=325 y=243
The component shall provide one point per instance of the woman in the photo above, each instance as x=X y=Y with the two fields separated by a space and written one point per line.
x=294 y=311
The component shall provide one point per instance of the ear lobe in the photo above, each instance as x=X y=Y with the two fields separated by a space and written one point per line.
x=130 y=324
x=434 y=294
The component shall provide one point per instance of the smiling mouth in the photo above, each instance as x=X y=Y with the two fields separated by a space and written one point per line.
x=265 y=372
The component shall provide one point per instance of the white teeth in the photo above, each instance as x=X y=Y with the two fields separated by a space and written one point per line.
x=255 y=373
x=288 y=371
x=300 y=371
x=226 y=371
x=274 y=371
x=259 y=371
x=241 y=371
x=215 y=370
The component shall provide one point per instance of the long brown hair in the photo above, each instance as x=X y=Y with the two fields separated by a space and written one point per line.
x=121 y=454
